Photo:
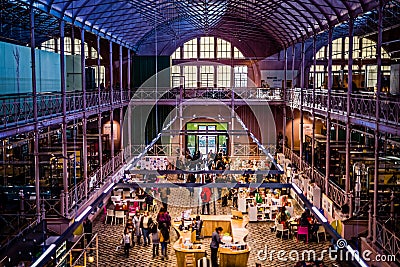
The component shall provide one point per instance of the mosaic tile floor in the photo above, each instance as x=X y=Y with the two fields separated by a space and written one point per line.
x=260 y=236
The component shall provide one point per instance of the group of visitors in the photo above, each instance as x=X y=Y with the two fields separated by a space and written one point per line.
x=197 y=161
x=143 y=225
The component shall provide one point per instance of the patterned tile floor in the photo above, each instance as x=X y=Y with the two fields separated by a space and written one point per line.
x=260 y=236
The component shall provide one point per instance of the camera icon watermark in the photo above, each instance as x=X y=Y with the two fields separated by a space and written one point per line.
x=341 y=251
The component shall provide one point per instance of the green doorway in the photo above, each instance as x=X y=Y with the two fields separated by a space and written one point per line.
x=206 y=137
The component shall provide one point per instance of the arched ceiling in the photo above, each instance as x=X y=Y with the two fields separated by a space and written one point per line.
x=138 y=24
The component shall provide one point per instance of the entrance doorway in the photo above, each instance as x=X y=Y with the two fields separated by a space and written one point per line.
x=206 y=137
x=207 y=143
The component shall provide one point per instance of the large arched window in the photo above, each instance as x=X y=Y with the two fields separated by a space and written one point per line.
x=364 y=68
x=205 y=74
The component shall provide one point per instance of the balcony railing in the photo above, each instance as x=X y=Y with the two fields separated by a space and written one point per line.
x=228 y=94
x=388 y=241
x=335 y=193
x=77 y=196
x=18 y=109
x=361 y=106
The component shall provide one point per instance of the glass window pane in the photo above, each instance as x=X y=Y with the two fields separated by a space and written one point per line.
x=237 y=53
x=240 y=76
x=207 y=76
x=190 y=73
x=207 y=47
x=176 y=54
x=223 y=76
x=190 y=49
x=223 y=49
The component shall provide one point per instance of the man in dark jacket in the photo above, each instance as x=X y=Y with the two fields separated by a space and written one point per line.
x=215 y=242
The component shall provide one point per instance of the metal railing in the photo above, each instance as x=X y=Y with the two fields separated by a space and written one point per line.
x=248 y=93
x=388 y=240
x=17 y=109
x=362 y=106
x=335 y=193
x=77 y=196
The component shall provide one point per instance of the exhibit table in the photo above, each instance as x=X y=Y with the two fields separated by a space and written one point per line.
x=236 y=255
x=210 y=222
x=230 y=257
x=181 y=251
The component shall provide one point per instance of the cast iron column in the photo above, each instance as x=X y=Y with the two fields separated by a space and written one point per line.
x=112 y=106
x=35 y=115
x=100 y=139
x=128 y=73
x=64 y=120
x=284 y=101
x=121 y=110
x=84 y=119
x=313 y=108
x=292 y=106
x=328 y=113
x=377 y=115
x=348 y=110
x=129 y=130
x=302 y=88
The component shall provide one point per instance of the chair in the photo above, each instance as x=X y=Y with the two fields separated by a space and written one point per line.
x=321 y=230
x=204 y=262
x=190 y=260
x=302 y=230
x=279 y=228
x=115 y=199
x=110 y=213
x=120 y=214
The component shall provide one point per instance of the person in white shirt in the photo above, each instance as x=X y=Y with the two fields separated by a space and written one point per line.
x=145 y=224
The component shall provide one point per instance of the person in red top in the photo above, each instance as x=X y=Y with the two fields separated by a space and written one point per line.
x=205 y=199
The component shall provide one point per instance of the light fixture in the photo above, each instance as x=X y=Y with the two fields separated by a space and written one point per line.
x=319 y=214
x=83 y=214
x=296 y=188
x=109 y=187
x=48 y=250
x=90 y=259
x=356 y=256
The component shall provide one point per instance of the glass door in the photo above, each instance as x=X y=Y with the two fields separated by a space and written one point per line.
x=207 y=142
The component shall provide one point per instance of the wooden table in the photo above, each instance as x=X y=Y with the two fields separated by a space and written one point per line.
x=230 y=258
x=210 y=222
x=181 y=252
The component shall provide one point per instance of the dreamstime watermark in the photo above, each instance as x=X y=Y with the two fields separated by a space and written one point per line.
x=340 y=252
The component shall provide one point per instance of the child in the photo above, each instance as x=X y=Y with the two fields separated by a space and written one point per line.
x=126 y=239
x=155 y=239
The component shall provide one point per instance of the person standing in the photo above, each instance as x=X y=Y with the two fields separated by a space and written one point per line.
x=155 y=239
x=205 y=199
x=126 y=239
x=164 y=217
x=164 y=240
x=215 y=242
x=224 y=196
x=138 y=231
x=145 y=222
x=87 y=229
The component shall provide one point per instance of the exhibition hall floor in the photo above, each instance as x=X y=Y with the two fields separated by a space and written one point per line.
x=259 y=238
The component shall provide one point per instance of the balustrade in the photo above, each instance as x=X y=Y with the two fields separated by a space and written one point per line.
x=17 y=109
x=388 y=240
x=335 y=193
x=362 y=105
